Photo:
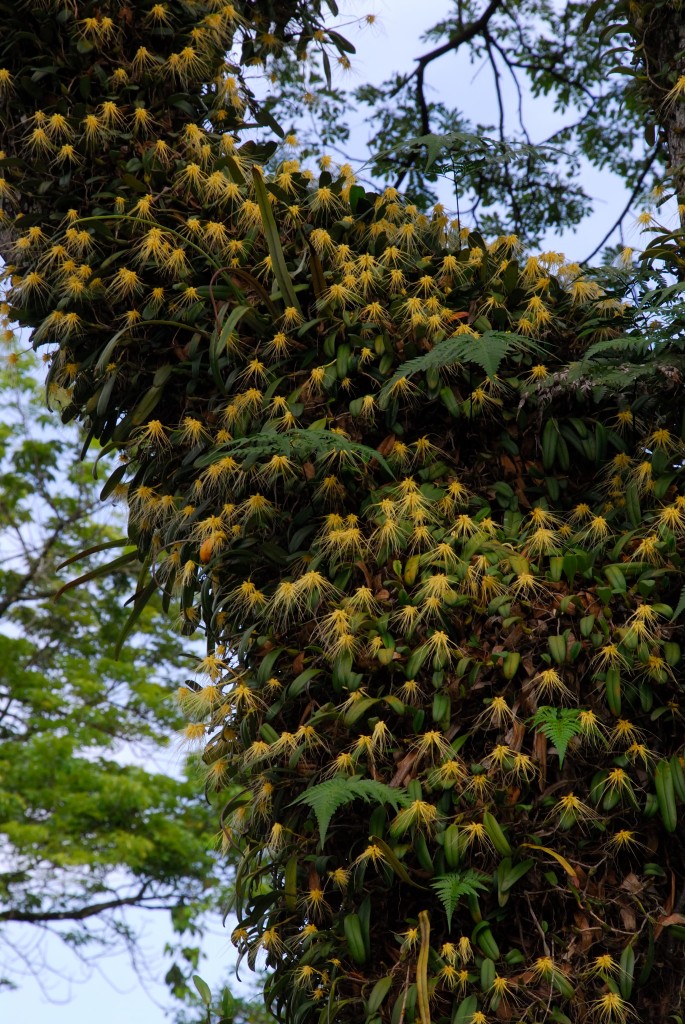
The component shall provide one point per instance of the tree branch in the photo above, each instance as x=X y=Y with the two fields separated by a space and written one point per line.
x=36 y=564
x=37 y=917
x=465 y=36
x=631 y=199
x=500 y=105
x=510 y=68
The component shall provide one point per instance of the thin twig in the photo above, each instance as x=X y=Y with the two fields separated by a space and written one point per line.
x=631 y=199
x=538 y=926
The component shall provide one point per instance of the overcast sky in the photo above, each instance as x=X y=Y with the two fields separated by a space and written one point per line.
x=113 y=995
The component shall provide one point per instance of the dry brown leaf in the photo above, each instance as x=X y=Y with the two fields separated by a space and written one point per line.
x=587 y=933
x=628 y=919
x=386 y=445
x=632 y=884
x=670 y=919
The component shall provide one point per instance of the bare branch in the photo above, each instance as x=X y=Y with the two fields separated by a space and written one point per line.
x=475 y=28
x=38 y=916
x=648 y=163
x=465 y=35
x=500 y=103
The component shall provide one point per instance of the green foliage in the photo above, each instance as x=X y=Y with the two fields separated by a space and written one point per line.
x=480 y=151
x=492 y=349
x=532 y=46
x=327 y=797
x=559 y=725
x=314 y=443
x=453 y=887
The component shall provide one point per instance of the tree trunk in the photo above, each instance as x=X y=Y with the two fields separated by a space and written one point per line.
x=659 y=31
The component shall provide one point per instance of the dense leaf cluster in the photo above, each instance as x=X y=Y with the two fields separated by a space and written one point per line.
x=437 y=560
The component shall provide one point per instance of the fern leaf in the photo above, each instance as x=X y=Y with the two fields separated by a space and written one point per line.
x=657 y=297
x=298 y=443
x=488 y=352
x=615 y=376
x=450 y=889
x=627 y=346
x=328 y=797
x=559 y=725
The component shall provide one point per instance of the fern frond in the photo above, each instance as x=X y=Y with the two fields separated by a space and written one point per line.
x=559 y=725
x=617 y=377
x=489 y=352
x=297 y=443
x=628 y=346
x=450 y=889
x=328 y=797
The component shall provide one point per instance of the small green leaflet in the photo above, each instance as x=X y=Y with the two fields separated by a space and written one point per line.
x=328 y=797
x=559 y=725
x=450 y=889
x=203 y=989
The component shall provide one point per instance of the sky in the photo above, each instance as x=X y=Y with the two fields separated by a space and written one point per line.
x=112 y=993
x=397 y=42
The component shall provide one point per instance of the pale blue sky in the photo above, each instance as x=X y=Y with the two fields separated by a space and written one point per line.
x=113 y=994
x=394 y=45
